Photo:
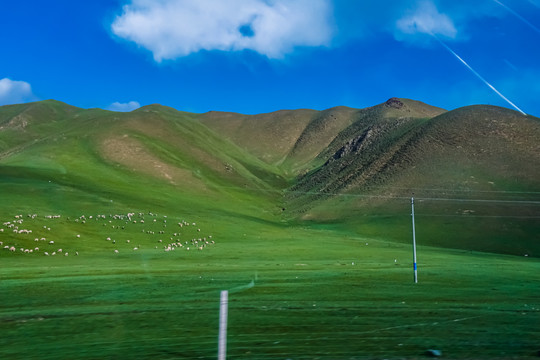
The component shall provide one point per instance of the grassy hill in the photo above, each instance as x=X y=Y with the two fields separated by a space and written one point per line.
x=303 y=215
x=474 y=165
x=475 y=171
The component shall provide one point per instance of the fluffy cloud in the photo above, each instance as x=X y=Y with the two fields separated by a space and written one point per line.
x=426 y=19
x=15 y=92
x=124 y=107
x=176 y=28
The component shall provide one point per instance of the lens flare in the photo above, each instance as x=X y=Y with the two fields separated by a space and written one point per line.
x=525 y=21
x=478 y=75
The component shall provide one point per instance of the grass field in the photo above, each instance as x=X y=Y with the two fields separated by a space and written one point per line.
x=318 y=294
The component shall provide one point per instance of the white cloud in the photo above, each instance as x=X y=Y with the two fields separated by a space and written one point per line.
x=176 y=28
x=425 y=19
x=124 y=107
x=15 y=92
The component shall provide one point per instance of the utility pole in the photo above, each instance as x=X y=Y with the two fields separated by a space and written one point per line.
x=414 y=242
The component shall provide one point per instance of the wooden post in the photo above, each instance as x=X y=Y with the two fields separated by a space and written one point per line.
x=223 y=310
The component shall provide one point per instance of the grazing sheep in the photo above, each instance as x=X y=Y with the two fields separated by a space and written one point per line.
x=116 y=251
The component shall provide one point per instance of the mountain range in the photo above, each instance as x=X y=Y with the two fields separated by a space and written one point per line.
x=474 y=172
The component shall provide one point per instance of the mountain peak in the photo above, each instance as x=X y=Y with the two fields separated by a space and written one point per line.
x=394 y=103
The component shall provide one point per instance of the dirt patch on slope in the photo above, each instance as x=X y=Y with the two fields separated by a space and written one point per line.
x=130 y=153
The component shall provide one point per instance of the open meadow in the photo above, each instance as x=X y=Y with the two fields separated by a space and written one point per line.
x=295 y=292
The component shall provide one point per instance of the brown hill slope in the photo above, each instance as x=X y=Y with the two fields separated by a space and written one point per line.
x=480 y=148
x=268 y=136
x=292 y=139
x=360 y=152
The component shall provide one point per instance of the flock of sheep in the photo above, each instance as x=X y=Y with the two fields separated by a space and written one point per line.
x=130 y=232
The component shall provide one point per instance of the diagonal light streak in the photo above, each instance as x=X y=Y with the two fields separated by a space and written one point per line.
x=477 y=74
x=518 y=16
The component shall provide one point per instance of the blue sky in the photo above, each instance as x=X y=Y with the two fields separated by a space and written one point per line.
x=256 y=56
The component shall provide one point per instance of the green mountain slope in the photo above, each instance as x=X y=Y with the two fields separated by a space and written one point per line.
x=152 y=155
x=353 y=168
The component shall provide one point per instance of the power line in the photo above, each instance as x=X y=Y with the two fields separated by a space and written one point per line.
x=396 y=197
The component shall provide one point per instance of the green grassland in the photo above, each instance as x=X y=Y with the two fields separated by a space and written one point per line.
x=332 y=280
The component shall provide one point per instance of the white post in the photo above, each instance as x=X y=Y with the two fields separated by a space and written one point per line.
x=223 y=309
x=414 y=243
